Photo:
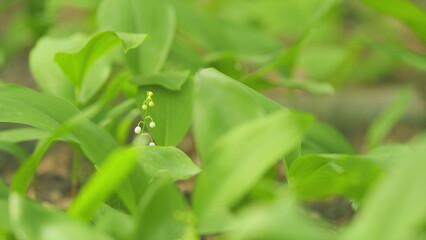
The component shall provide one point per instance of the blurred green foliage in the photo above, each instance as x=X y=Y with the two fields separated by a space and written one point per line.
x=256 y=164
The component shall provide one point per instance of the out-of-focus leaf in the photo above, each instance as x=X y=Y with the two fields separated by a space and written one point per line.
x=157 y=18
x=315 y=87
x=114 y=222
x=287 y=59
x=395 y=208
x=212 y=34
x=261 y=142
x=387 y=155
x=158 y=212
x=227 y=63
x=22 y=135
x=281 y=219
x=157 y=162
x=171 y=80
x=49 y=113
x=4 y=216
x=56 y=116
x=322 y=176
x=46 y=72
x=324 y=138
x=75 y=65
x=13 y=149
x=406 y=11
x=409 y=57
x=111 y=173
x=50 y=77
x=385 y=122
x=222 y=103
x=31 y=221
x=172 y=112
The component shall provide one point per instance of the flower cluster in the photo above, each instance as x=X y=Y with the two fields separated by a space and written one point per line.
x=149 y=102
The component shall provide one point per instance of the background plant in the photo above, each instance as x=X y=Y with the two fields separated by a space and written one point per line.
x=258 y=167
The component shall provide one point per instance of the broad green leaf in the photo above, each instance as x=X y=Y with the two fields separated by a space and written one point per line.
x=167 y=163
x=395 y=208
x=387 y=155
x=159 y=202
x=31 y=221
x=280 y=219
x=324 y=138
x=13 y=149
x=114 y=222
x=409 y=57
x=172 y=112
x=50 y=77
x=406 y=11
x=222 y=103
x=209 y=33
x=261 y=142
x=46 y=72
x=322 y=176
x=385 y=122
x=156 y=162
x=22 y=135
x=56 y=116
x=171 y=80
x=158 y=213
x=49 y=113
x=157 y=18
x=110 y=174
x=76 y=65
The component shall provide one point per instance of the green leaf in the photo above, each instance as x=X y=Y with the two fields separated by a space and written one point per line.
x=156 y=162
x=409 y=57
x=387 y=155
x=56 y=116
x=261 y=142
x=222 y=103
x=386 y=121
x=403 y=192
x=4 y=216
x=114 y=222
x=111 y=173
x=267 y=221
x=22 y=135
x=76 y=65
x=31 y=221
x=311 y=86
x=172 y=112
x=52 y=79
x=49 y=113
x=157 y=18
x=160 y=203
x=158 y=213
x=406 y=11
x=14 y=149
x=171 y=80
x=46 y=72
x=167 y=163
x=324 y=138
x=322 y=176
